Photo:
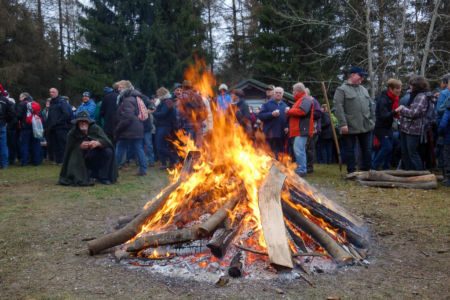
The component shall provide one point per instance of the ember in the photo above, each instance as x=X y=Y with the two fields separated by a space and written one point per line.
x=231 y=194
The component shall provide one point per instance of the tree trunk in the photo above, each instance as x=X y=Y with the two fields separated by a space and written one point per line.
x=61 y=40
x=401 y=40
x=369 y=50
x=426 y=50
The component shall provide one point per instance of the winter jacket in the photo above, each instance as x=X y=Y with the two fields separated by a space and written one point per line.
x=384 y=115
x=108 y=112
x=89 y=107
x=354 y=108
x=411 y=118
x=273 y=127
x=444 y=126
x=7 y=112
x=128 y=124
x=165 y=113
x=325 y=123
x=74 y=170
x=443 y=95
x=223 y=102
x=59 y=114
x=301 y=116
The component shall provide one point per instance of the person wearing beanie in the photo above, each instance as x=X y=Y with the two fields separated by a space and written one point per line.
x=87 y=105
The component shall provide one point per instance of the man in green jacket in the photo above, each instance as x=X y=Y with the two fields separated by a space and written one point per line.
x=356 y=119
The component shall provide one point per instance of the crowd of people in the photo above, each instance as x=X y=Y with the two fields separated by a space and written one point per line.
x=95 y=140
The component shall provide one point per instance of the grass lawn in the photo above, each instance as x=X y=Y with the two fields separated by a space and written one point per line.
x=42 y=226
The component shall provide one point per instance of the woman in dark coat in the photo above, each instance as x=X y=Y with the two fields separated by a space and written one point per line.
x=387 y=103
x=165 y=119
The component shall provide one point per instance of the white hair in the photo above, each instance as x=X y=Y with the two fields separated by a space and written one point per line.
x=299 y=87
x=278 y=88
x=308 y=92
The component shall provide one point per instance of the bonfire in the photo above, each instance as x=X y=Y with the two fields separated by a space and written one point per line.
x=230 y=203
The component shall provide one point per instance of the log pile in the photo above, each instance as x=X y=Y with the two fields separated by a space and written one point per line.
x=395 y=179
x=296 y=220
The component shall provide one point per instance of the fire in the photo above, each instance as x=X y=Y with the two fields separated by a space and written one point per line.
x=230 y=162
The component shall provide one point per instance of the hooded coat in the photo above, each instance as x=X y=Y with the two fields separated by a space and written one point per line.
x=74 y=170
x=128 y=124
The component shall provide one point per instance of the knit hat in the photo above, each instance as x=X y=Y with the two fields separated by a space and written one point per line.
x=238 y=92
x=176 y=85
x=223 y=86
x=87 y=94
x=187 y=83
x=83 y=116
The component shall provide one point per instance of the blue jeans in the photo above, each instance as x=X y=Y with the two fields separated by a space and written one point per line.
x=3 y=147
x=30 y=144
x=349 y=143
x=162 y=133
x=410 y=152
x=149 y=148
x=300 y=153
x=384 y=154
x=138 y=146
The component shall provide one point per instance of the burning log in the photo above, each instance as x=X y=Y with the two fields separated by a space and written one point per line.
x=219 y=216
x=329 y=216
x=165 y=238
x=389 y=184
x=272 y=219
x=235 y=269
x=332 y=247
x=297 y=240
x=131 y=229
x=221 y=239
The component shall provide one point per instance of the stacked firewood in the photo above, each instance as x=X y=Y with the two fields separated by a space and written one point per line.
x=283 y=219
x=395 y=179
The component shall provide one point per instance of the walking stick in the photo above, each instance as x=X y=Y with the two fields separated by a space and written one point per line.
x=332 y=129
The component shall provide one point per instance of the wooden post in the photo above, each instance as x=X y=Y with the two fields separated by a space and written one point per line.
x=272 y=219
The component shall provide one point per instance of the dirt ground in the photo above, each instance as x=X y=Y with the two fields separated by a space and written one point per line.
x=42 y=226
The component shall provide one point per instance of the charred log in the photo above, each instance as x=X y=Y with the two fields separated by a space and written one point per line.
x=326 y=241
x=235 y=269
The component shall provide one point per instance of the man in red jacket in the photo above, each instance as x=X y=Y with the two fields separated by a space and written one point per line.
x=301 y=124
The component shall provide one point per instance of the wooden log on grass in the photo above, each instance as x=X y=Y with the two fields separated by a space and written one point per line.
x=132 y=228
x=326 y=241
x=272 y=219
x=398 y=173
x=407 y=185
x=382 y=176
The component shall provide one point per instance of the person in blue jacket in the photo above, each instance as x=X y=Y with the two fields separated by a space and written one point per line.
x=87 y=105
x=444 y=129
x=275 y=124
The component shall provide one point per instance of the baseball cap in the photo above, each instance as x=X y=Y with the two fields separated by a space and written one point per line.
x=358 y=70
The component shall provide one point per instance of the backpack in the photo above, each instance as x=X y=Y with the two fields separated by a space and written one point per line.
x=142 y=109
x=29 y=111
x=33 y=118
x=429 y=118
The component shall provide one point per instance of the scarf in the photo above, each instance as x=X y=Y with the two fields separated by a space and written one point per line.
x=395 y=101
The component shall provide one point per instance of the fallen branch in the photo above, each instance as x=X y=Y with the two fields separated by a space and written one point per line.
x=399 y=173
x=133 y=228
x=388 y=184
